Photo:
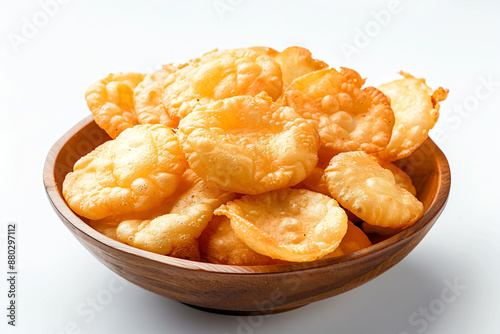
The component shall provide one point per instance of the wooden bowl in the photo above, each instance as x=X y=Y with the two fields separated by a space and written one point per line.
x=246 y=290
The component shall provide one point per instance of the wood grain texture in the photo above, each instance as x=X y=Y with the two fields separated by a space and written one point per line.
x=244 y=289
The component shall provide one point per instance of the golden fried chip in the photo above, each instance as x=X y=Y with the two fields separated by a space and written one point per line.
x=336 y=253
x=187 y=250
x=106 y=226
x=416 y=109
x=294 y=225
x=148 y=102
x=354 y=240
x=384 y=231
x=296 y=62
x=347 y=117
x=130 y=224
x=402 y=179
x=316 y=181
x=248 y=144
x=219 y=75
x=187 y=215
x=369 y=191
x=111 y=102
x=133 y=173
x=264 y=49
x=219 y=244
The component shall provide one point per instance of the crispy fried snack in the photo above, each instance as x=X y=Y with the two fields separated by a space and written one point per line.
x=402 y=179
x=347 y=117
x=264 y=49
x=188 y=250
x=178 y=222
x=248 y=144
x=369 y=191
x=354 y=240
x=111 y=102
x=106 y=226
x=133 y=173
x=131 y=223
x=294 y=225
x=219 y=75
x=336 y=253
x=219 y=244
x=416 y=109
x=272 y=139
x=148 y=102
x=316 y=181
x=296 y=62
x=383 y=231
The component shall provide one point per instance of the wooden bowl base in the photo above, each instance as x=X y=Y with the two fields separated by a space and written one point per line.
x=243 y=313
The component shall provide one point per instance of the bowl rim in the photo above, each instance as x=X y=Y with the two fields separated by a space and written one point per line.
x=70 y=218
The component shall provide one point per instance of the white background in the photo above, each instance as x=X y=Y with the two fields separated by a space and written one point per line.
x=454 y=44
